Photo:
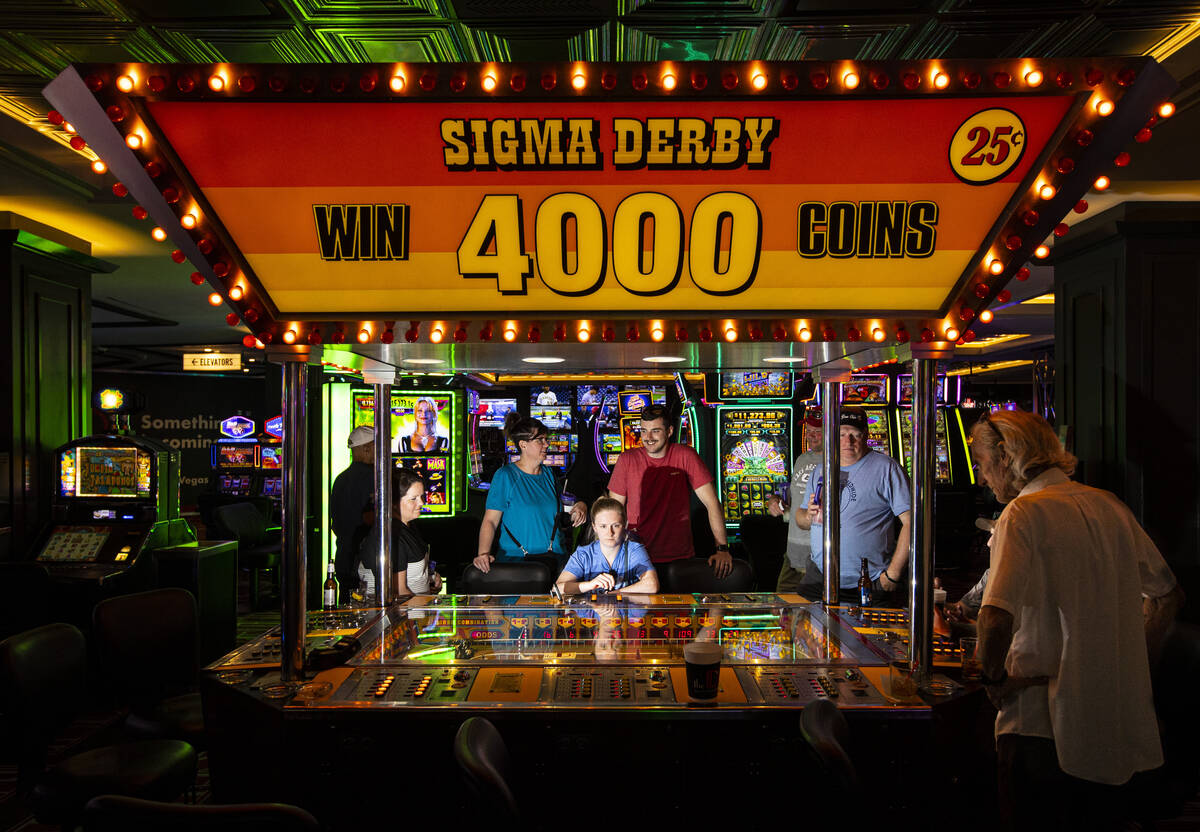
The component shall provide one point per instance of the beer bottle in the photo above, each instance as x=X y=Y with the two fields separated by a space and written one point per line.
x=331 y=589
x=864 y=585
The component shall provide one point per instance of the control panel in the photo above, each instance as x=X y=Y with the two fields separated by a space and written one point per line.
x=846 y=686
x=409 y=685
x=611 y=685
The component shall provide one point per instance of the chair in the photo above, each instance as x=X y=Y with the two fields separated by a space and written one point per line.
x=484 y=763
x=826 y=734
x=149 y=653
x=695 y=575
x=765 y=540
x=507 y=578
x=258 y=549
x=42 y=675
x=28 y=597
x=114 y=813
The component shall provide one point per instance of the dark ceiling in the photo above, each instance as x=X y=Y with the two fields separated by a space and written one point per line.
x=147 y=300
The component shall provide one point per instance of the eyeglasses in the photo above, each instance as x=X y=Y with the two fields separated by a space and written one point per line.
x=987 y=417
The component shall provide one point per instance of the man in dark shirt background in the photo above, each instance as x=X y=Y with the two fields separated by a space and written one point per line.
x=350 y=506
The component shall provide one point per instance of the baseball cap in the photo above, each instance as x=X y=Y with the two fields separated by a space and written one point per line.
x=361 y=435
x=855 y=418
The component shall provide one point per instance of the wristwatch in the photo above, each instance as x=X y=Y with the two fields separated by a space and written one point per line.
x=722 y=547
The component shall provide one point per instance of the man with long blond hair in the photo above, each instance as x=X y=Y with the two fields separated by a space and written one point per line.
x=1077 y=599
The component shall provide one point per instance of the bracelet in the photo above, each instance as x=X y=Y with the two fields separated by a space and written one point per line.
x=890 y=578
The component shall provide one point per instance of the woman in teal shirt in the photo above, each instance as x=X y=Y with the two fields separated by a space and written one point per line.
x=523 y=501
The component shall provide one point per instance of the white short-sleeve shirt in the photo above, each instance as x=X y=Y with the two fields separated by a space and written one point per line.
x=1071 y=565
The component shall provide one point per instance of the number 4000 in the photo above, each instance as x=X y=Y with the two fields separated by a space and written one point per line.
x=641 y=266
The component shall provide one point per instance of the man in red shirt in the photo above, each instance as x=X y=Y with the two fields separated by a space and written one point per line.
x=655 y=482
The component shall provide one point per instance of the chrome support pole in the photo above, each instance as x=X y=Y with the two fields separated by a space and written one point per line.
x=920 y=623
x=383 y=485
x=831 y=503
x=293 y=572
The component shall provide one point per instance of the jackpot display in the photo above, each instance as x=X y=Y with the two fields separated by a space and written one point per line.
x=426 y=436
x=756 y=385
x=754 y=446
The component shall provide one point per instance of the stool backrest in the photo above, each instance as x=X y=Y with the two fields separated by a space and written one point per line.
x=695 y=575
x=42 y=684
x=245 y=523
x=115 y=813
x=148 y=643
x=530 y=578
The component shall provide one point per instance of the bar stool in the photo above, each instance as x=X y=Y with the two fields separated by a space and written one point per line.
x=149 y=654
x=695 y=575
x=42 y=674
x=114 y=813
x=507 y=578
x=484 y=763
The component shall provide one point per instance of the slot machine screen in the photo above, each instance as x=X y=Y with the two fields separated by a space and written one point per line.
x=435 y=408
x=610 y=443
x=272 y=457
x=865 y=389
x=433 y=471
x=631 y=432
x=757 y=385
x=237 y=484
x=590 y=398
x=272 y=487
x=556 y=460
x=554 y=418
x=941 y=450
x=492 y=412
x=78 y=544
x=755 y=447
x=227 y=455
x=906 y=389
x=878 y=432
x=552 y=395
x=632 y=401
x=104 y=472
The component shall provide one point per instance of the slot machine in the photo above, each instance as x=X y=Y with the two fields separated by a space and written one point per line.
x=598 y=405
x=689 y=425
x=236 y=458
x=554 y=406
x=754 y=441
x=952 y=456
x=869 y=391
x=117 y=497
x=486 y=451
x=270 y=473
x=427 y=437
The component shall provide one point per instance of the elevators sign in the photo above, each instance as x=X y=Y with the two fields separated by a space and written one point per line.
x=605 y=205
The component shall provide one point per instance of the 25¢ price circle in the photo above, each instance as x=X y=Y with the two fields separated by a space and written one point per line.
x=987 y=146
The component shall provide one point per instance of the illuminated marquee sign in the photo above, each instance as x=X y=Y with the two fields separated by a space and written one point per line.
x=619 y=206
x=420 y=191
x=237 y=427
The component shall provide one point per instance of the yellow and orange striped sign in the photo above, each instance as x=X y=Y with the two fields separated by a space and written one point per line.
x=620 y=207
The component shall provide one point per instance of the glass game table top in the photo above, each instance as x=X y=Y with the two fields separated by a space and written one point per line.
x=477 y=630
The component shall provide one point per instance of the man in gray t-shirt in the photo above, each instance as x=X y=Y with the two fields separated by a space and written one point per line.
x=874 y=492
x=791 y=575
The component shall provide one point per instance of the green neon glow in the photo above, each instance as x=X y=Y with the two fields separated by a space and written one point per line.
x=335 y=403
x=430 y=652
x=966 y=446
